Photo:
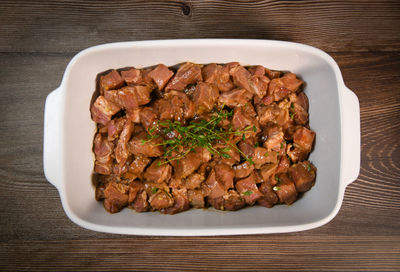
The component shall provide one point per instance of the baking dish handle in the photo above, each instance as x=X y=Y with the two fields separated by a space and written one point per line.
x=350 y=136
x=52 y=142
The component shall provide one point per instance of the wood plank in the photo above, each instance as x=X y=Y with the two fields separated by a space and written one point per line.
x=70 y=26
x=237 y=253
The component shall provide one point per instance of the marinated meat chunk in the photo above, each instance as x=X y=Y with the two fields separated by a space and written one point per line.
x=241 y=77
x=248 y=189
x=213 y=186
x=161 y=75
x=267 y=170
x=303 y=175
x=269 y=198
x=112 y=80
x=304 y=138
x=272 y=74
x=161 y=200
x=148 y=118
x=243 y=170
x=181 y=202
x=236 y=97
x=121 y=151
x=210 y=73
x=187 y=165
x=225 y=174
x=138 y=165
x=196 y=198
x=242 y=120
x=116 y=197
x=205 y=96
x=281 y=87
x=132 y=76
x=187 y=73
x=262 y=156
x=233 y=201
x=102 y=110
x=135 y=188
x=257 y=70
x=247 y=148
x=194 y=181
x=259 y=85
x=283 y=165
x=141 y=145
x=285 y=189
x=159 y=171
x=273 y=137
x=114 y=128
x=141 y=204
x=176 y=106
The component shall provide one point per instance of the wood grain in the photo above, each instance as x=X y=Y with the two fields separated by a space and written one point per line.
x=70 y=26
x=39 y=38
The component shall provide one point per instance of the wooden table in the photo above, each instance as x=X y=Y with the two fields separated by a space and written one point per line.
x=39 y=38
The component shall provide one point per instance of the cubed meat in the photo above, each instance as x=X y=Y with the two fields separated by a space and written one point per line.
x=269 y=198
x=285 y=189
x=121 y=151
x=281 y=87
x=257 y=70
x=296 y=153
x=304 y=138
x=138 y=165
x=247 y=188
x=112 y=80
x=116 y=197
x=196 y=198
x=262 y=156
x=247 y=147
x=241 y=77
x=148 y=118
x=267 y=170
x=161 y=75
x=225 y=174
x=102 y=147
x=159 y=171
x=103 y=167
x=161 y=200
x=210 y=73
x=273 y=137
x=114 y=128
x=259 y=85
x=99 y=194
x=272 y=74
x=187 y=73
x=205 y=97
x=187 y=165
x=243 y=170
x=303 y=175
x=241 y=120
x=141 y=204
x=176 y=106
x=233 y=201
x=214 y=187
x=141 y=145
x=102 y=110
x=132 y=76
x=235 y=98
x=181 y=202
x=194 y=181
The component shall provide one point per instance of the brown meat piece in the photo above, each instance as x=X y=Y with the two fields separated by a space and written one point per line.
x=187 y=73
x=303 y=175
x=247 y=147
x=248 y=189
x=273 y=137
x=102 y=110
x=262 y=156
x=243 y=170
x=194 y=181
x=196 y=198
x=116 y=197
x=213 y=187
x=205 y=97
x=132 y=76
x=281 y=87
x=285 y=189
x=139 y=145
x=283 y=165
x=161 y=200
x=233 y=201
x=141 y=204
x=235 y=98
x=225 y=174
x=257 y=70
x=304 y=138
x=148 y=118
x=159 y=171
x=272 y=74
x=269 y=198
x=259 y=85
x=176 y=106
x=267 y=170
x=112 y=80
x=210 y=73
x=114 y=128
x=242 y=120
x=187 y=165
x=135 y=188
x=161 y=75
x=241 y=77
x=121 y=151
x=181 y=202
x=138 y=165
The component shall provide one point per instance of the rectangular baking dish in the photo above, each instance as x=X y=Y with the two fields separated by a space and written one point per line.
x=334 y=115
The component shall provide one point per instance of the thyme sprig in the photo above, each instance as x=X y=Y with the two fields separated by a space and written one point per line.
x=198 y=133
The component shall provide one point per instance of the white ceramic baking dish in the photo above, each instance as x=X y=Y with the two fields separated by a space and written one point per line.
x=334 y=115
